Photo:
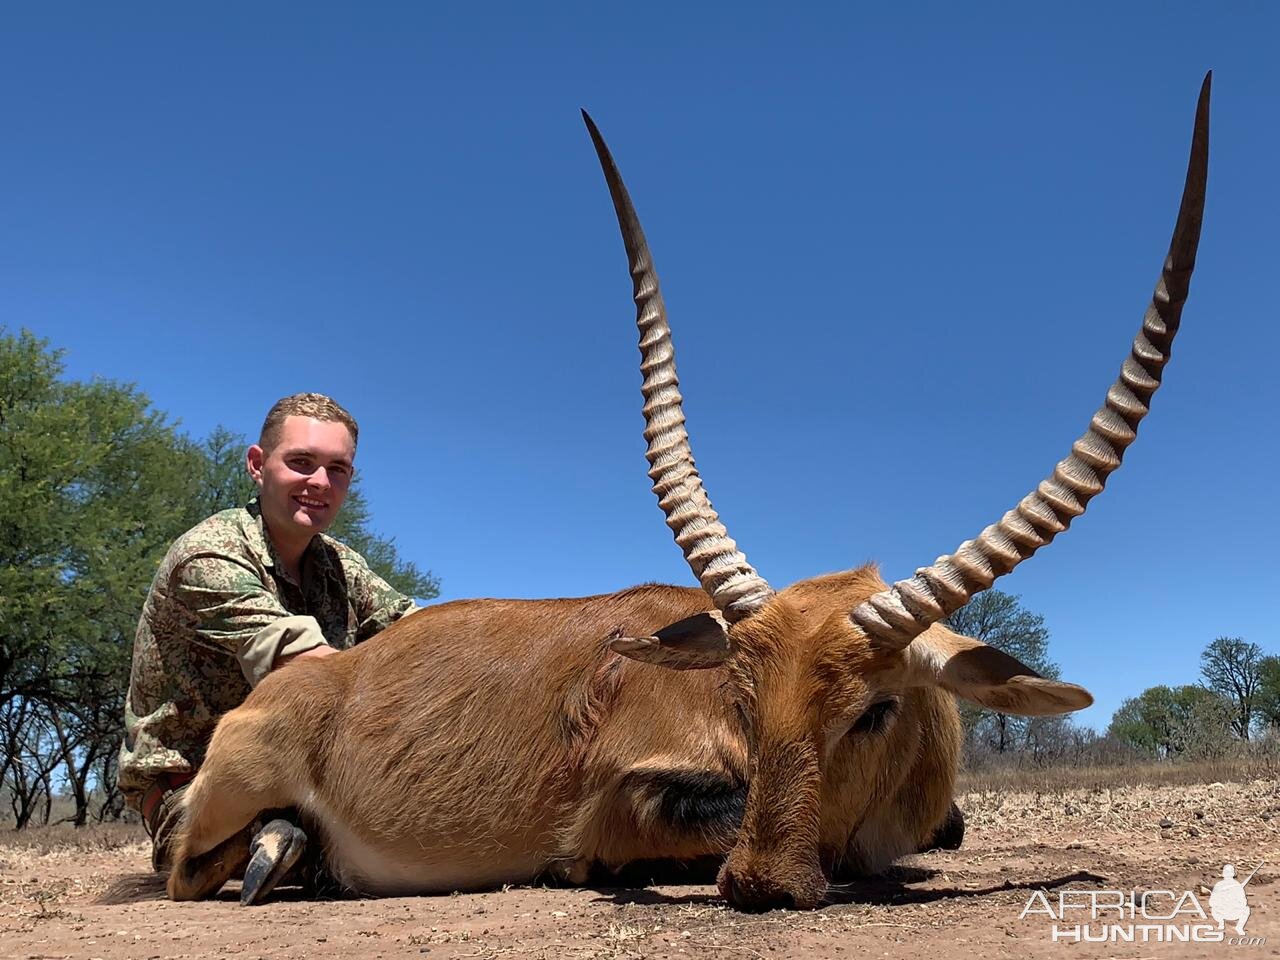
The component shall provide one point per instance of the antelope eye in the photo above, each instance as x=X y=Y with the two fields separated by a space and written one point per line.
x=876 y=718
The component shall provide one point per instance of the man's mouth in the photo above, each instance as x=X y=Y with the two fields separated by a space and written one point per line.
x=311 y=503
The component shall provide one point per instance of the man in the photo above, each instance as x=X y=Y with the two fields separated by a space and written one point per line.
x=240 y=595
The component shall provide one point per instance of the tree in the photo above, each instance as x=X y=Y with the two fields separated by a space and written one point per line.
x=1268 y=700
x=1187 y=722
x=226 y=481
x=95 y=484
x=1232 y=668
x=998 y=619
x=24 y=766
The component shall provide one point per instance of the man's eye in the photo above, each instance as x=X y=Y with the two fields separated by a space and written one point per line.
x=876 y=718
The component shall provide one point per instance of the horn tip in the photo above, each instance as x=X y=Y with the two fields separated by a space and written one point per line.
x=591 y=127
x=1206 y=87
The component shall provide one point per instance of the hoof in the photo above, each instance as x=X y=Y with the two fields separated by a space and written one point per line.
x=274 y=851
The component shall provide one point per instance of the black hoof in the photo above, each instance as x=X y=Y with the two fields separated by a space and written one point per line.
x=274 y=851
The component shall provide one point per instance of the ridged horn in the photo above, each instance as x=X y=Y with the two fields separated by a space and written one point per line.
x=898 y=615
x=722 y=569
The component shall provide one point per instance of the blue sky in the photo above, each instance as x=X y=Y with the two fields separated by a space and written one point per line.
x=904 y=248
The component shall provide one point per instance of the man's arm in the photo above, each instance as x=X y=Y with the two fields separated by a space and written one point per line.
x=313 y=653
x=377 y=603
x=235 y=612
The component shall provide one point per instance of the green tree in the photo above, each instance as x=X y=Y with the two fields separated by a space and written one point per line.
x=998 y=619
x=94 y=484
x=1187 y=722
x=1268 y=702
x=226 y=482
x=1232 y=668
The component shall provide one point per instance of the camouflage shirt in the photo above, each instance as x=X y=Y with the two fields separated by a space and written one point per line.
x=221 y=609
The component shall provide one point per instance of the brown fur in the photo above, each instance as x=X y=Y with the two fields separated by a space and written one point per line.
x=482 y=742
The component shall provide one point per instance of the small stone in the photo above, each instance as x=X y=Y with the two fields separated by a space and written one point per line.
x=1166 y=834
x=1193 y=860
x=1166 y=823
x=1210 y=822
x=1193 y=831
x=1199 y=814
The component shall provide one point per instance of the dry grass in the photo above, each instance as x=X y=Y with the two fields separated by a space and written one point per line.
x=1184 y=818
x=66 y=839
x=1064 y=779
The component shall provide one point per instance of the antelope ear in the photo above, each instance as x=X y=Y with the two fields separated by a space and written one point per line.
x=971 y=669
x=694 y=643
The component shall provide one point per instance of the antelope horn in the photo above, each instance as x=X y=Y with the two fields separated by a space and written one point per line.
x=722 y=569
x=898 y=615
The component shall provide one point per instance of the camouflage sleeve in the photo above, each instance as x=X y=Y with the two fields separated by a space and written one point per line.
x=377 y=603
x=233 y=611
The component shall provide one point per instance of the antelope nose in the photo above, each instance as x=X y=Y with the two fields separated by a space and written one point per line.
x=754 y=895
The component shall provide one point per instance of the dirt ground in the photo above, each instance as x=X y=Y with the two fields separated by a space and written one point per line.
x=89 y=894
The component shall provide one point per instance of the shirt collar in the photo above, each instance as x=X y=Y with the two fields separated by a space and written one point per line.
x=255 y=533
x=265 y=553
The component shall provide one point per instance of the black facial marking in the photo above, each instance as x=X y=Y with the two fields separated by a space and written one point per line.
x=696 y=800
x=875 y=718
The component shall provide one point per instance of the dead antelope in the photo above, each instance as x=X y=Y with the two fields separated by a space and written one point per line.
x=809 y=733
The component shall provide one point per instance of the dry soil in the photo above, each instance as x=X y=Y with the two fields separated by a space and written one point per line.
x=88 y=893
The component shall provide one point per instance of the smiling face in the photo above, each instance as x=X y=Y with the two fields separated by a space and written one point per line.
x=303 y=479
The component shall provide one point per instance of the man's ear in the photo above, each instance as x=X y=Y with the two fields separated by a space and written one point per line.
x=694 y=643
x=253 y=463
x=981 y=673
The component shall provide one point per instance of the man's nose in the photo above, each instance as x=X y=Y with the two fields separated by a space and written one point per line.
x=319 y=479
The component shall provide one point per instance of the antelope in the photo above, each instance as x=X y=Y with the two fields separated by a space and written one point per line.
x=810 y=733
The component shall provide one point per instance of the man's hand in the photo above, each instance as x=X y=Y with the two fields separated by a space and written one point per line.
x=323 y=651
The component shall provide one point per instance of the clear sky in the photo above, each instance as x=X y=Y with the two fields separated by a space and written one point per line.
x=904 y=248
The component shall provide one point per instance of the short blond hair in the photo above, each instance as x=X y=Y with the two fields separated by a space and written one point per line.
x=314 y=405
